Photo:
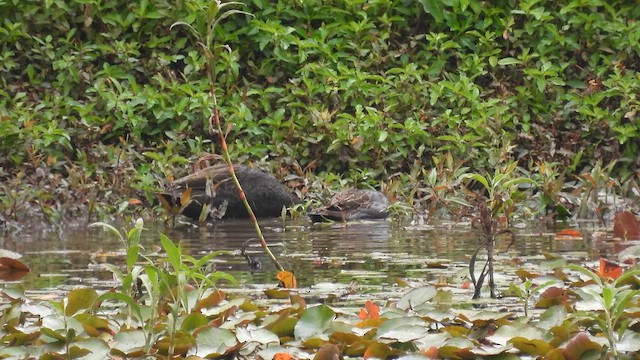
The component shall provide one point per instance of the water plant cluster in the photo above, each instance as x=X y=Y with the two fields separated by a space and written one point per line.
x=171 y=306
x=99 y=100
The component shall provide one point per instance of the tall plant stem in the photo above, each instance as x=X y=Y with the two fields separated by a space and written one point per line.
x=215 y=126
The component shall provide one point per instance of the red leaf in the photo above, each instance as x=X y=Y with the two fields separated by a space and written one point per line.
x=370 y=311
x=431 y=353
x=282 y=356
x=568 y=234
x=609 y=269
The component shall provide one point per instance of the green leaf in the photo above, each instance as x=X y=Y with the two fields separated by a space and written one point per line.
x=508 y=61
x=314 y=322
x=434 y=8
x=479 y=178
x=214 y=341
x=173 y=251
x=108 y=227
x=80 y=299
x=193 y=321
x=417 y=296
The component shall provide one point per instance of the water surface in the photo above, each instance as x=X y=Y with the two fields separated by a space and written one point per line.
x=373 y=254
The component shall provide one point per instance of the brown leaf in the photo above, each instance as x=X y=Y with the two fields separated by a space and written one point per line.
x=377 y=350
x=12 y=269
x=328 y=351
x=579 y=346
x=552 y=296
x=625 y=225
x=185 y=198
x=277 y=293
x=210 y=301
x=525 y=275
x=9 y=264
x=534 y=347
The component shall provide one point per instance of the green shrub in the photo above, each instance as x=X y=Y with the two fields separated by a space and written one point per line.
x=344 y=85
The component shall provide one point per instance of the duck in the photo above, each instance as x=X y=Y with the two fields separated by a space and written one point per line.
x=214 y=186
x=353 y=204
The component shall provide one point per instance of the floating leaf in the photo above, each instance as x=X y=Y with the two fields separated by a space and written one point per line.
x=535 y=347
x=252 y=338
x=93 y=325
x=630 y=341
x=328 y=351
x=80 y=299
x=525 y=275
x=12 y=269
x=129 y=343
x=193 y=321
x=314 y=321
x=552 y=296
x=403 y=329
x=506 y=333
x=370 y=311
x=10 y=264
x=377 y=350
x=180 y=342
x=568 y=234
x=609 y=269
x=210 y=301
x=277 y=293
x=580 y=345
x=417 y=296
x=282 y=356
x=213 y=342
x=283 y=326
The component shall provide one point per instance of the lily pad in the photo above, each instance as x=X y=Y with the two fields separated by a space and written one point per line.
x=314 y=321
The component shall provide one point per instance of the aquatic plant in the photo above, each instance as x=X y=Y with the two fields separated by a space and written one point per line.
x=607 y=303
x=208 y=16
x=497 y=200
x=414 y=321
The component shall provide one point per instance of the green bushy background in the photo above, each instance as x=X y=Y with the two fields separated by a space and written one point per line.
x=100 y=99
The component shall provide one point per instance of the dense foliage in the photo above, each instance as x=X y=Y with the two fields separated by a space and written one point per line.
x=101 y=97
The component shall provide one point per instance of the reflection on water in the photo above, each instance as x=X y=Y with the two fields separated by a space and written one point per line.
x=368 y=252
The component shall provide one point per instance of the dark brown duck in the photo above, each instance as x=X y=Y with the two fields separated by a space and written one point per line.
x=353 y=204
x=265 y=193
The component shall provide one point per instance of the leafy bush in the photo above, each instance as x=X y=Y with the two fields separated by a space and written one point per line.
x=377 y=86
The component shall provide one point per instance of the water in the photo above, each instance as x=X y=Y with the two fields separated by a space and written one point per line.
x=367 y=253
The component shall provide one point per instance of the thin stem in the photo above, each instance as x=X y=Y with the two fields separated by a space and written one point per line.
x=215 y=126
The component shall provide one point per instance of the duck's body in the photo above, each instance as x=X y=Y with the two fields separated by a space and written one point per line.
x=353 y=204
x=214 y=186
